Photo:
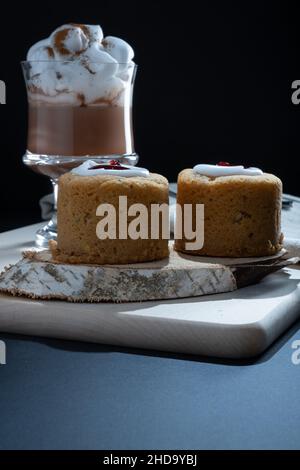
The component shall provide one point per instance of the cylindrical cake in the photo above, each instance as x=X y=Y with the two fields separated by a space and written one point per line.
x=78 y=199
x=242 y=212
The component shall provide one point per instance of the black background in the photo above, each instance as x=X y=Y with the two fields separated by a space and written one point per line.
x=214 y=83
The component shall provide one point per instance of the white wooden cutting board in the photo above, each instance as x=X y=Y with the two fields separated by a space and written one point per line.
x=234 y=325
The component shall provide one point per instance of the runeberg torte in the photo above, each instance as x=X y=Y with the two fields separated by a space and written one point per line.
x=80 y=193
x=242 y=209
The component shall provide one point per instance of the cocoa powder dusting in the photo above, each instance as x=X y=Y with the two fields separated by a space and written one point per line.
x=50 y=51
x=59 y=39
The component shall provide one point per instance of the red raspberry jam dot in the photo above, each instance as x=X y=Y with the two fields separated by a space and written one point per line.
x=223 y=164
x=115 y=163
x=112 y=165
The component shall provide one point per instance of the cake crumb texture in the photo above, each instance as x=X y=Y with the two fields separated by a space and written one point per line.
x=78 y=199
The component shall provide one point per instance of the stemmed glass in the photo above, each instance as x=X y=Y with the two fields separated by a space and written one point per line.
x=64 y=131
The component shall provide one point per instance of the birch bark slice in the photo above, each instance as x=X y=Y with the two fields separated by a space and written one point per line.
x=38 y=276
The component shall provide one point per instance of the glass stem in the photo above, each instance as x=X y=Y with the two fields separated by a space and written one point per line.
x=55 y=191
x=49 y=231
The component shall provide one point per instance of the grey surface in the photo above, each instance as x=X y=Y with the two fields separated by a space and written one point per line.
x=67 y=395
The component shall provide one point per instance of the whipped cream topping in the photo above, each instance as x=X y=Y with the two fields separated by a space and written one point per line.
x=76 y=64
x=127 y=171
x=224 y=170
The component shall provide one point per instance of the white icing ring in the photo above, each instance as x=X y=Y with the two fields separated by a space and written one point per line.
x=220 y=170
x=84 y=170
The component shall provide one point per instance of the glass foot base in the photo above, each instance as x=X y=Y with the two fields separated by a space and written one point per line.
x=46 y=233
